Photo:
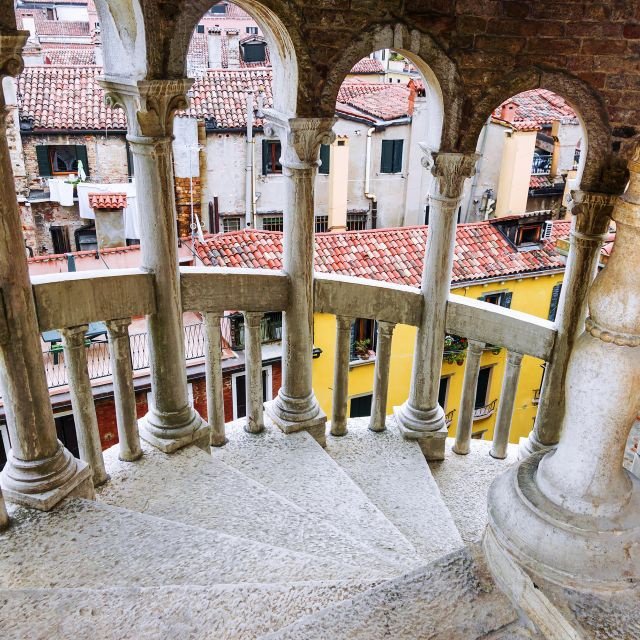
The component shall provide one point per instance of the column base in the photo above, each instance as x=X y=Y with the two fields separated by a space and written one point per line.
x=550 y=543
x=312 y=420
x=530 y=445
x=42 y=484
x=427 y=428
x=161 y=431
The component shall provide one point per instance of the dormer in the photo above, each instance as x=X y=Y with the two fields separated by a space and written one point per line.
x=254 y=49
x=526 y=232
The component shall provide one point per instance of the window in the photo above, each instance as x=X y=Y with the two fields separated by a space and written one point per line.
x=66 y=430
x=555 y=298
x=219 y=8
x=271 y=152
x=541 y=163
x=325 y=159
x=391 y=160
x=200 y=28
x=356 y=221
x=360 y=406
x=254 y=51
x=273 y=223
x=61 y=159
x=230 y=224
x=363 y=338
x=5 y=445
x=482 y=389
x=239 y=391
x=60 y=239
x=528 y=234
x=501 y=298
x=322 y=224
x=443 y=391
x=51 y=13
x=252 y=30
x=86 y=239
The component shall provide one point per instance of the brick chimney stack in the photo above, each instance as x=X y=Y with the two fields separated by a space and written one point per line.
x=508 y=111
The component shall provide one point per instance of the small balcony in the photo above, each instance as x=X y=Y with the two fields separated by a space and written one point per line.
x=541 y=165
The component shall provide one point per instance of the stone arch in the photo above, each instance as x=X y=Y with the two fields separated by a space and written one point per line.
x=284 y=58
x=587 y=104
x=122 y=29
x=439 y=71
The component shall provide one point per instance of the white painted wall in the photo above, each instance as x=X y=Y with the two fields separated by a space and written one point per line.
x=72 y=13
x=184 y=145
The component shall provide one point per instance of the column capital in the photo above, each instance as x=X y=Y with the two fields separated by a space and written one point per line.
x=118 y=328
x=11 y=44
x=449 y=169
x=300 y=138
x=475 y=346
x=73 y=337
x=514 y=358
x=344 y=322
x=386 y=328
x=593 y=211
x=150 y=104
x=253 y=318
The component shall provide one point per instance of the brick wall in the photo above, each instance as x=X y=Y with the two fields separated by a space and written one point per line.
x=44 y=215
x=183 y=203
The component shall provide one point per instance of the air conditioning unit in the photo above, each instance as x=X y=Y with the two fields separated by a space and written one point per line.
x=547 y=229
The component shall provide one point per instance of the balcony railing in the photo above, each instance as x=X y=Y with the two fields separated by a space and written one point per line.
x=541 y=164
x=448 y=418
x=536 y=396
x=480 y=413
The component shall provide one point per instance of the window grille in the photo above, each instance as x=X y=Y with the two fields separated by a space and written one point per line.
x=230 y=224
x=273 y=223
x=356 y=221
x=322 y=224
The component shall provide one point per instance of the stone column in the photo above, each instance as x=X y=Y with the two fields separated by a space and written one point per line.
x=381 y=376
x=123 y=391
x=341 y=376
x=421 y=418
x=296 y=406
x=571 y=514
x=469 y=387
x=215 y=394
x=84 y=409
x=39 y=472
x=4 y=516
x=592 y=213
x=507 y=403
x=253 y=371
x=171 y=422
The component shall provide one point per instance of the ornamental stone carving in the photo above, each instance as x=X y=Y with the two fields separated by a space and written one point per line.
x=11 y=44
x=450 y=169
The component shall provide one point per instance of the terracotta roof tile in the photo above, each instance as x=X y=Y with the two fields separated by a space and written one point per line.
x=536 y=108
x=481 y=252
x=80 y=56
x=107 y=200
x=368 y=65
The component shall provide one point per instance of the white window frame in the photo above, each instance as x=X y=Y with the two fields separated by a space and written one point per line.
x=234 y=376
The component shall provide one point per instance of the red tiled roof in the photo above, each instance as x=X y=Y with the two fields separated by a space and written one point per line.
x=390 y=255
x=390 y=103
x=368 y=65
x=70 y=57
x=536 y=108
x=62 y=28
x=66 y=98
x=545 y=182
x=107 y=200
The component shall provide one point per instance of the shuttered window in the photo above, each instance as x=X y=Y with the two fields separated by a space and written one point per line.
x=271 y=152
x=325 y=159
x=555 y=298
x=61 y=159
x=391 y=159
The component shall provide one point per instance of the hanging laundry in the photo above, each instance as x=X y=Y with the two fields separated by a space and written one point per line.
x=65 y=190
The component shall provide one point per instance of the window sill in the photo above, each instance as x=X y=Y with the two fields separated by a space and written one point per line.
x=359 y=362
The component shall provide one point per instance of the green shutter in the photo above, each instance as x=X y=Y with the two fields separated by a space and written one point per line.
x=44 y=166
x=555 y=298
x=397 y=156
x=265 y=156
x=325 y=158
x=506 y=302
x=386 y=160
x=81 y=154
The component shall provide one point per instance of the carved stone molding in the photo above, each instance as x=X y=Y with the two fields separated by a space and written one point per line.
x=450 y=170
x=11 y=44
x=593 y=211
x=150 y=104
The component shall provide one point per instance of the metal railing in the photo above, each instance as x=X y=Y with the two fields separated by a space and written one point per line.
x=480 y=413
x=448 y=418
x=541 y=164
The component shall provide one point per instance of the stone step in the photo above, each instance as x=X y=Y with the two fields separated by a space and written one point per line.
x=91 y=545
x=394 y=475
x=464 y=482
x=296 y=467
x=200 y=490
x=453 y=598
x=223 y=612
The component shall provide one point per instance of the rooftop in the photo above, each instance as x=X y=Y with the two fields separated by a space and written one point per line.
x=107 y=200
x=368 y=65
x=535 y=109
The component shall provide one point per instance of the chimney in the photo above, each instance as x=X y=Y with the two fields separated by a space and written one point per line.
x=412 y=97
x=96 y=39
x=338 y=184
x=508 y=111
x=214 y=45
x=233 y=51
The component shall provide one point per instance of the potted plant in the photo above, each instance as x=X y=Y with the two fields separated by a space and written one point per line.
x=361 y=347
x=455 y=350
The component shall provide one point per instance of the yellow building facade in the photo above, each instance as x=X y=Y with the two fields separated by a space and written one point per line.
x=531 y=294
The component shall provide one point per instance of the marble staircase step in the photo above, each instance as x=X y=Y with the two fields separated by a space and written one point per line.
x=454 y=597
x=92 y=545
x=296 y=467
x=194 y=488
x=395 y=476
x=223 y=612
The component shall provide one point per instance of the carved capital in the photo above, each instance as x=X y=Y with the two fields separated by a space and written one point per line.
x=450 y=170
x=118 y=329
x=300 y=138
x=11 y=44
x=73 y=337
x=593 y=211
x=150 y=104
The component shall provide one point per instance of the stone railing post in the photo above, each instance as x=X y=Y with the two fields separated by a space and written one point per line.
x=341 y=376
x=469 y=387
x=123 y=391
x=253 y=371
x=84 y=409
x=381 y=376
x=296 y=407
x=507 y=403
x=590 y=224
x=215 y=393
x=421 y=418
x=171 y=422
x=39 y=472
x=570 y=514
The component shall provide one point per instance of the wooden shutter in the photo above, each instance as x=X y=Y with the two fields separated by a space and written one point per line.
x=265 y=156
x=386 y=160
x=555 y=298
x=325 y=159
x=397 y=156
x=44 y=166
x=81 y=154
x=506 y=301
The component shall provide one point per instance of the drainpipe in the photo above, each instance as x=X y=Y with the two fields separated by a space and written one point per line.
x=477 y=173
x=248 y=188
x=367 y=180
